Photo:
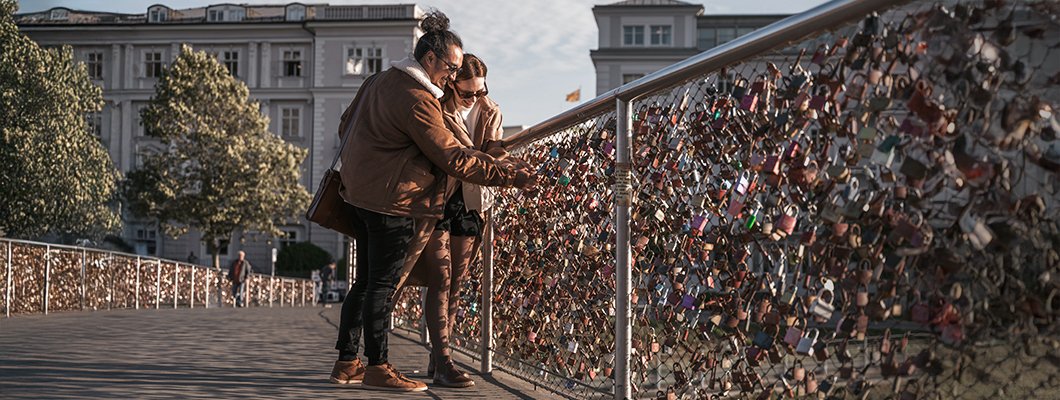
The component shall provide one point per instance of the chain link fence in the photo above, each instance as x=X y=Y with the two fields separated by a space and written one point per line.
x=870 y=212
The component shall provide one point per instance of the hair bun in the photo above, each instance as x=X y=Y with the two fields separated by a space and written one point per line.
x=435 y=21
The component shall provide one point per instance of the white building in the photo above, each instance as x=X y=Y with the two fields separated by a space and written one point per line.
x=303 y=62
x=638 y=37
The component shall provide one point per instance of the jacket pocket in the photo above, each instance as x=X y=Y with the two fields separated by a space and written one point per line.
x=414 y=182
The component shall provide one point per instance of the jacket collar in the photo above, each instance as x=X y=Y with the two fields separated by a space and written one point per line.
x=415 y=70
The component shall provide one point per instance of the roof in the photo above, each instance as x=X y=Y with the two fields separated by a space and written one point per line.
x=252 y=13
x=650 y=3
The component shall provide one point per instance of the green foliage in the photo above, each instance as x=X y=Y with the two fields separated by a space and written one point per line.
x=300 y=259
x=218 y=168
x=55 y=175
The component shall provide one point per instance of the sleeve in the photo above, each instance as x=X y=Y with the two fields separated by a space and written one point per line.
x=427 y=129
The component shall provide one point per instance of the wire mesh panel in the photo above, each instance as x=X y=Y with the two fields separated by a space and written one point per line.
x=98 y=280
x=64 y=292
x=202 y=286
x=183 y=285
x=871 y=182
x=27 y=283
x=123 y=273
x=168 y=290
x=149 y=280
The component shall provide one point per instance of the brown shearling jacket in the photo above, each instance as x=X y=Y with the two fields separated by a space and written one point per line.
x=399 y=155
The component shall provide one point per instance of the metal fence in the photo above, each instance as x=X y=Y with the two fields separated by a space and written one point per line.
x=860 y=200
x=43 y=278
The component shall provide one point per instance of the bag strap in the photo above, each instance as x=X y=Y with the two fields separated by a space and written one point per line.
x=345 y=136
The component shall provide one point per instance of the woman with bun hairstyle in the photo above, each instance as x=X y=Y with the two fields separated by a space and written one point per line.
x=475 y=121
x=395 y=165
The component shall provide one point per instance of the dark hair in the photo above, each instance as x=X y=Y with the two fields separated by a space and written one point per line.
x=473 y=67
x=436 y=37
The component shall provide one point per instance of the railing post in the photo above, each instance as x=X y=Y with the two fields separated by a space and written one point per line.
x=84 y=258
x=191 y=300
x=47 y=275
x=303 y=293
x=206 y=287
x=486 y=316
x=272 y=285
x=7 y=292
x=623 y=193
x=110 y=287
x=176 y=275
x=138 y=265
x=158 y=284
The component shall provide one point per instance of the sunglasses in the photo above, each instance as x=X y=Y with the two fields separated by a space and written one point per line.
x=467 y=95
x=453 y=69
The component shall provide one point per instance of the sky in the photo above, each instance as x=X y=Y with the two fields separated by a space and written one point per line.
x=537 y=51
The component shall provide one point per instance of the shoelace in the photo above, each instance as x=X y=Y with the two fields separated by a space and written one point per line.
x=397 y=374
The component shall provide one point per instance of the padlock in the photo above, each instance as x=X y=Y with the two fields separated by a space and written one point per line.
x=806 y=342
x=822 y=308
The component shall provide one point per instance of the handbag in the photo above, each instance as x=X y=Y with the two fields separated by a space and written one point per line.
x=328 y=208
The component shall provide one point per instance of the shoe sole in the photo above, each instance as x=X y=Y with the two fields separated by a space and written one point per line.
x=338 y=381
x=394 y=389
x=456 y=386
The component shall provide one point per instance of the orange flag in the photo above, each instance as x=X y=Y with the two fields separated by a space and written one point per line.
x=574 y=96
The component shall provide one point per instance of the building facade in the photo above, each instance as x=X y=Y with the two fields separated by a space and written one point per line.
x=638 y=37
x=302 y=63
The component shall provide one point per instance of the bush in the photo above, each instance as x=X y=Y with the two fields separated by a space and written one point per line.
x=300 y=259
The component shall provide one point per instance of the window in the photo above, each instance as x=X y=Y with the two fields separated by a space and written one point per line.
x=289 y=237
x=633 y=35
x=743 y=31
x=725 y=83
x=292 y=63
x=59 y=15
x=296 y=13
x=364 y=60
x=229 y=14
x=94 y=122
x=147 y=241
x=707 y=37
x=157 y=15
x=94 y=62
x=231 y=62
x=725 y=35
x=627 y=78
x=291 y=121
x=153 y=64
x=661 y=35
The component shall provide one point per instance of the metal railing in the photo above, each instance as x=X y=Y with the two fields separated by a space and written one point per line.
x=866 y=210
x=44 y=278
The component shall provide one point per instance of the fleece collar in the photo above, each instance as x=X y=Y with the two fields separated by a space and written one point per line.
x=415 y=70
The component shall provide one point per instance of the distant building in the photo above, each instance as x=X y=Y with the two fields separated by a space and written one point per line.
x=638 y=37
x=303 y=62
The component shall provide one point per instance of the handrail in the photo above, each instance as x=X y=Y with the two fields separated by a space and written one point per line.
x=780 y=33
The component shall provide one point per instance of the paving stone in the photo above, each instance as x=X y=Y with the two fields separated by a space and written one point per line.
x=271 y=353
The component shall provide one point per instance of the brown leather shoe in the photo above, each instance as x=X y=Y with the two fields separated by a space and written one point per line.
x=347 y=372
x=385 y=377
x=448 y=375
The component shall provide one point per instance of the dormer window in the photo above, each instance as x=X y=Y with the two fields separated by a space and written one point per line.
x=59 y=15
x=225 y=14
x=296 y=12
x=157 y=14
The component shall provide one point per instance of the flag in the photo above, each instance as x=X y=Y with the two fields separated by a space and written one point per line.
x=574 y=96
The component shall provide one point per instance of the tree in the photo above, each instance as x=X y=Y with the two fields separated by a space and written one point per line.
x=218 y=169
x=56 y=178
x=300 y=259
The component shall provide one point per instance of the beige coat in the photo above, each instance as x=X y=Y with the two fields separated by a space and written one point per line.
x=487 y=129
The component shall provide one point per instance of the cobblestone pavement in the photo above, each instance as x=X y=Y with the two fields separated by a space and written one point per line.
x=203 y=353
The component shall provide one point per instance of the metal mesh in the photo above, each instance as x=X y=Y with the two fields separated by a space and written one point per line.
x=872 y=211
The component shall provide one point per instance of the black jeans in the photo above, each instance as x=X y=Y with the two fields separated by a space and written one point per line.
x=382 y=244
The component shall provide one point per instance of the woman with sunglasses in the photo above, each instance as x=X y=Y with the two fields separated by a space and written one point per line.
x=475 y=121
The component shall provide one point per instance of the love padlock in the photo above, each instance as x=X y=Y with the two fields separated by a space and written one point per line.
x=807 y=341
x=821 y=308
